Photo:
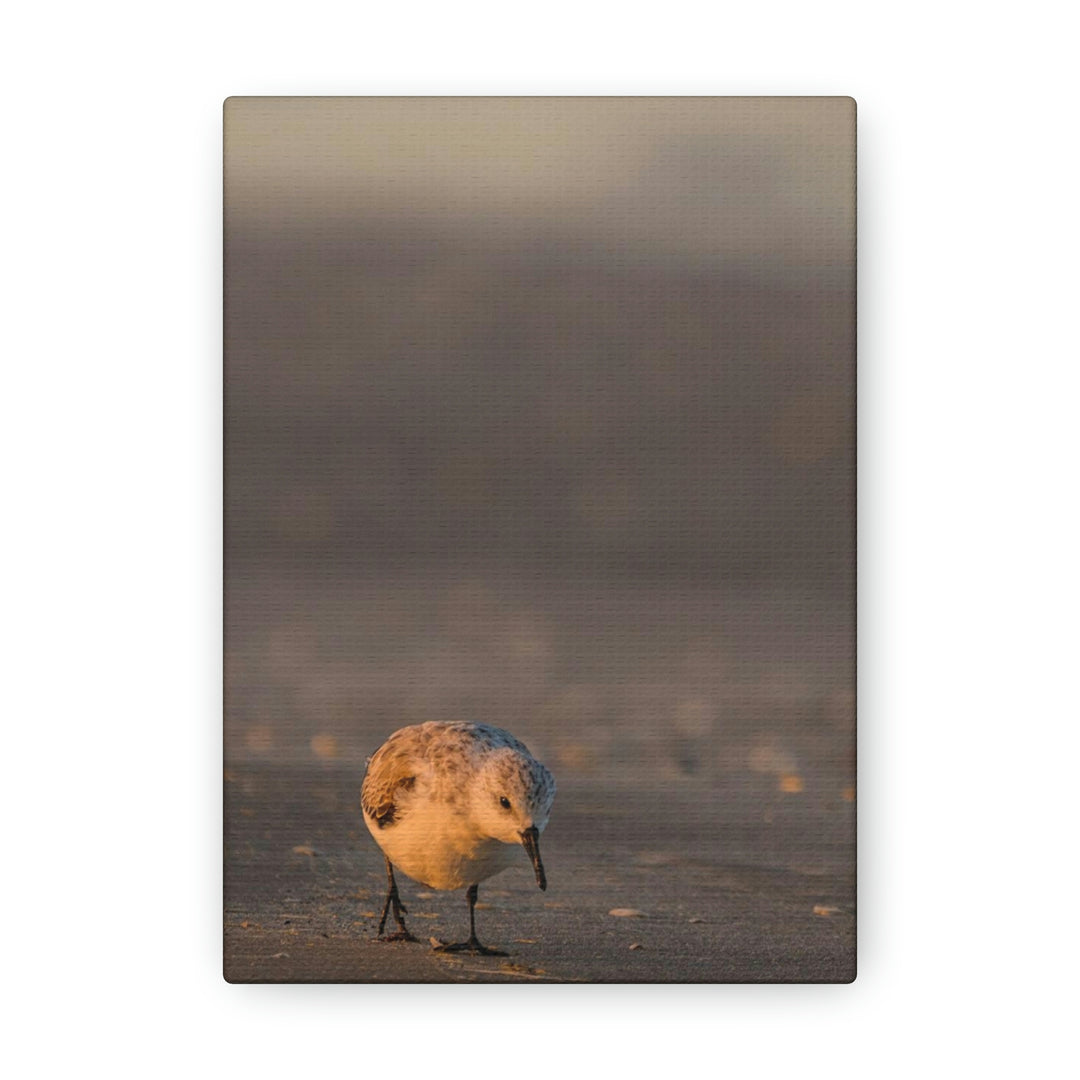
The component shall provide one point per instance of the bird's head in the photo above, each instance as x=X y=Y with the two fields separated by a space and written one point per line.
x=513 y=802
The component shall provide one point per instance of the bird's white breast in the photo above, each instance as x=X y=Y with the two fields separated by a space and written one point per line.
x=440 y=849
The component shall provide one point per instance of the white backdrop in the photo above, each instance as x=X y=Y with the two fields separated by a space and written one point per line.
x=968 y=586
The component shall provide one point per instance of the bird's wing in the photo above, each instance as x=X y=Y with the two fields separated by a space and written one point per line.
x=385 y=782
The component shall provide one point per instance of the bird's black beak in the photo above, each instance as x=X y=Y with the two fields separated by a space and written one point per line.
x=530 y=839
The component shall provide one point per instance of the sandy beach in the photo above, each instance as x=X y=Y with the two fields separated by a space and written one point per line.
x=735 y=881
x=549 y=427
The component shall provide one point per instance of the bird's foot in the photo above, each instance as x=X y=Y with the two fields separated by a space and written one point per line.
x=471 y=946
x=397 y=935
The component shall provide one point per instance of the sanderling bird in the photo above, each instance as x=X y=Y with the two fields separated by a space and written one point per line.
x=449 y=804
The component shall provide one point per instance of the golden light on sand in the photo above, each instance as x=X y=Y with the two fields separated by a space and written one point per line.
x=259 y=738
x=575 y=756
x=324 y=746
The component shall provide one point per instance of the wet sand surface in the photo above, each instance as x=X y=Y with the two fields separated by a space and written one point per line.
x=729 y=880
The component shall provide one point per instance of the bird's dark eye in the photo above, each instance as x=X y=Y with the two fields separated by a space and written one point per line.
x=504 y=802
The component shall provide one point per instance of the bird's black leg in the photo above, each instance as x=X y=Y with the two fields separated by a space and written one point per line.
x=394 y=901
x=472 y=945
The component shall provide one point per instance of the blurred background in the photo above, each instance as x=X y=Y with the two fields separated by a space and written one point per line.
x=540 y=412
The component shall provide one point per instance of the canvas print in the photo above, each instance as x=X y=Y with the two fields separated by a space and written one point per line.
x=539 y=429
